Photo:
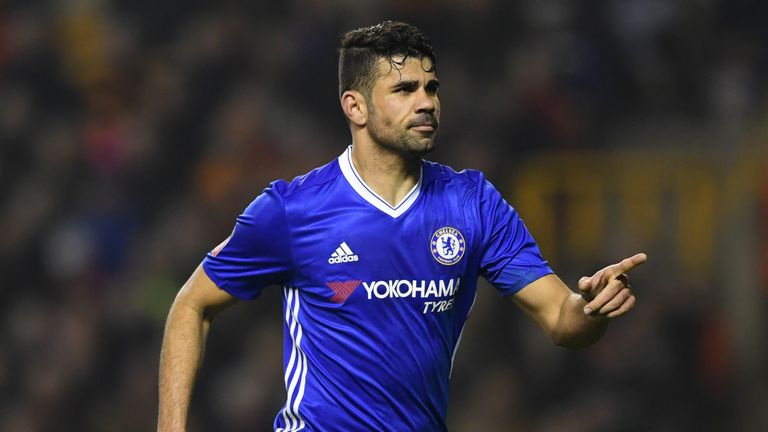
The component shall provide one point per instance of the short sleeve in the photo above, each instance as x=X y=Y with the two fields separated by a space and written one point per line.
x=511 y=258
x=257 y=254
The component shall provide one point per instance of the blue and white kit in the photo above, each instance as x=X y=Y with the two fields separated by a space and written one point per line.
x=375 y=297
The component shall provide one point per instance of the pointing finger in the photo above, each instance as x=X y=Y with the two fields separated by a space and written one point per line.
x=628 y=264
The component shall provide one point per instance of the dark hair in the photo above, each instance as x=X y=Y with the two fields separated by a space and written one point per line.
x=361 y=48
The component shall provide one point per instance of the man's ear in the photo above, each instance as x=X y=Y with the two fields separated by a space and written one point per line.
x=355 y=107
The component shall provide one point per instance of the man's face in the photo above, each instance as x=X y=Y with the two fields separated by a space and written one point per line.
x=404 y=110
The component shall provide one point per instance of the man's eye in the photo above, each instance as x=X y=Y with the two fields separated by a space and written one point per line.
x=406 y=89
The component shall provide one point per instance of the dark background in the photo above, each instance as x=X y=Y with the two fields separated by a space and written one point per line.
x=133 y=132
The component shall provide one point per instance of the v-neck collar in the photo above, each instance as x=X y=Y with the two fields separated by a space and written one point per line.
x=356 y=181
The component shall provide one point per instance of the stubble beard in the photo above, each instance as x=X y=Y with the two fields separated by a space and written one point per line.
x=397 y=140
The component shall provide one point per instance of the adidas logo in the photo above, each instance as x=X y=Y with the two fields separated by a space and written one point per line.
x=343 y=254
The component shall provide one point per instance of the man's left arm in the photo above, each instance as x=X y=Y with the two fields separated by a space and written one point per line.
x=576 y=320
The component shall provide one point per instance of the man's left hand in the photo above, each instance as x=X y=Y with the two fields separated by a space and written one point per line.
x=608 y=293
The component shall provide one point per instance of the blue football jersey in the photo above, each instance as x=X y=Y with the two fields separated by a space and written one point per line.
x=375 y=297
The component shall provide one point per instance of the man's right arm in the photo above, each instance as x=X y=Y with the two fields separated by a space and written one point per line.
x=183 y=345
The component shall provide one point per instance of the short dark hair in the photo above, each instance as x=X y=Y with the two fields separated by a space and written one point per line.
x=361 y=48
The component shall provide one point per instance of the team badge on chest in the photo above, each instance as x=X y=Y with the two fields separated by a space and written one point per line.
x=447 y=245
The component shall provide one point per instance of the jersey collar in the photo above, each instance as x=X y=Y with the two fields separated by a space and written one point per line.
x=356 y=181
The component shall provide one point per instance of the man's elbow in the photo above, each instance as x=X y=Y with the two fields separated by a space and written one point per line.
x=575 y=341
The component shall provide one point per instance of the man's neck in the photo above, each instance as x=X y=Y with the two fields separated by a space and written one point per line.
x=390 y=174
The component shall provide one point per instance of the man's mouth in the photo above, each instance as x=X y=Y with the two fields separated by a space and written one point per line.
x=425 y=127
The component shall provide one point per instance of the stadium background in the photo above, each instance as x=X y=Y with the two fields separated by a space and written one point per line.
x=133 y=132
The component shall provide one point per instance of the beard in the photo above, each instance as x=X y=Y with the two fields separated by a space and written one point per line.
x=406 y=142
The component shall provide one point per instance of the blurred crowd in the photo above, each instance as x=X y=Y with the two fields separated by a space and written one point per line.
x=132 y=133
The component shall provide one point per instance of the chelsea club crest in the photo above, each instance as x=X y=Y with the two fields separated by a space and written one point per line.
x=447 y=245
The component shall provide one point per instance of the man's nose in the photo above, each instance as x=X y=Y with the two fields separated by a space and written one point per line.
x=426 y=102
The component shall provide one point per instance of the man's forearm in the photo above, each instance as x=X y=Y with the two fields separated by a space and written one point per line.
x=575 y=329
x=182 y=352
